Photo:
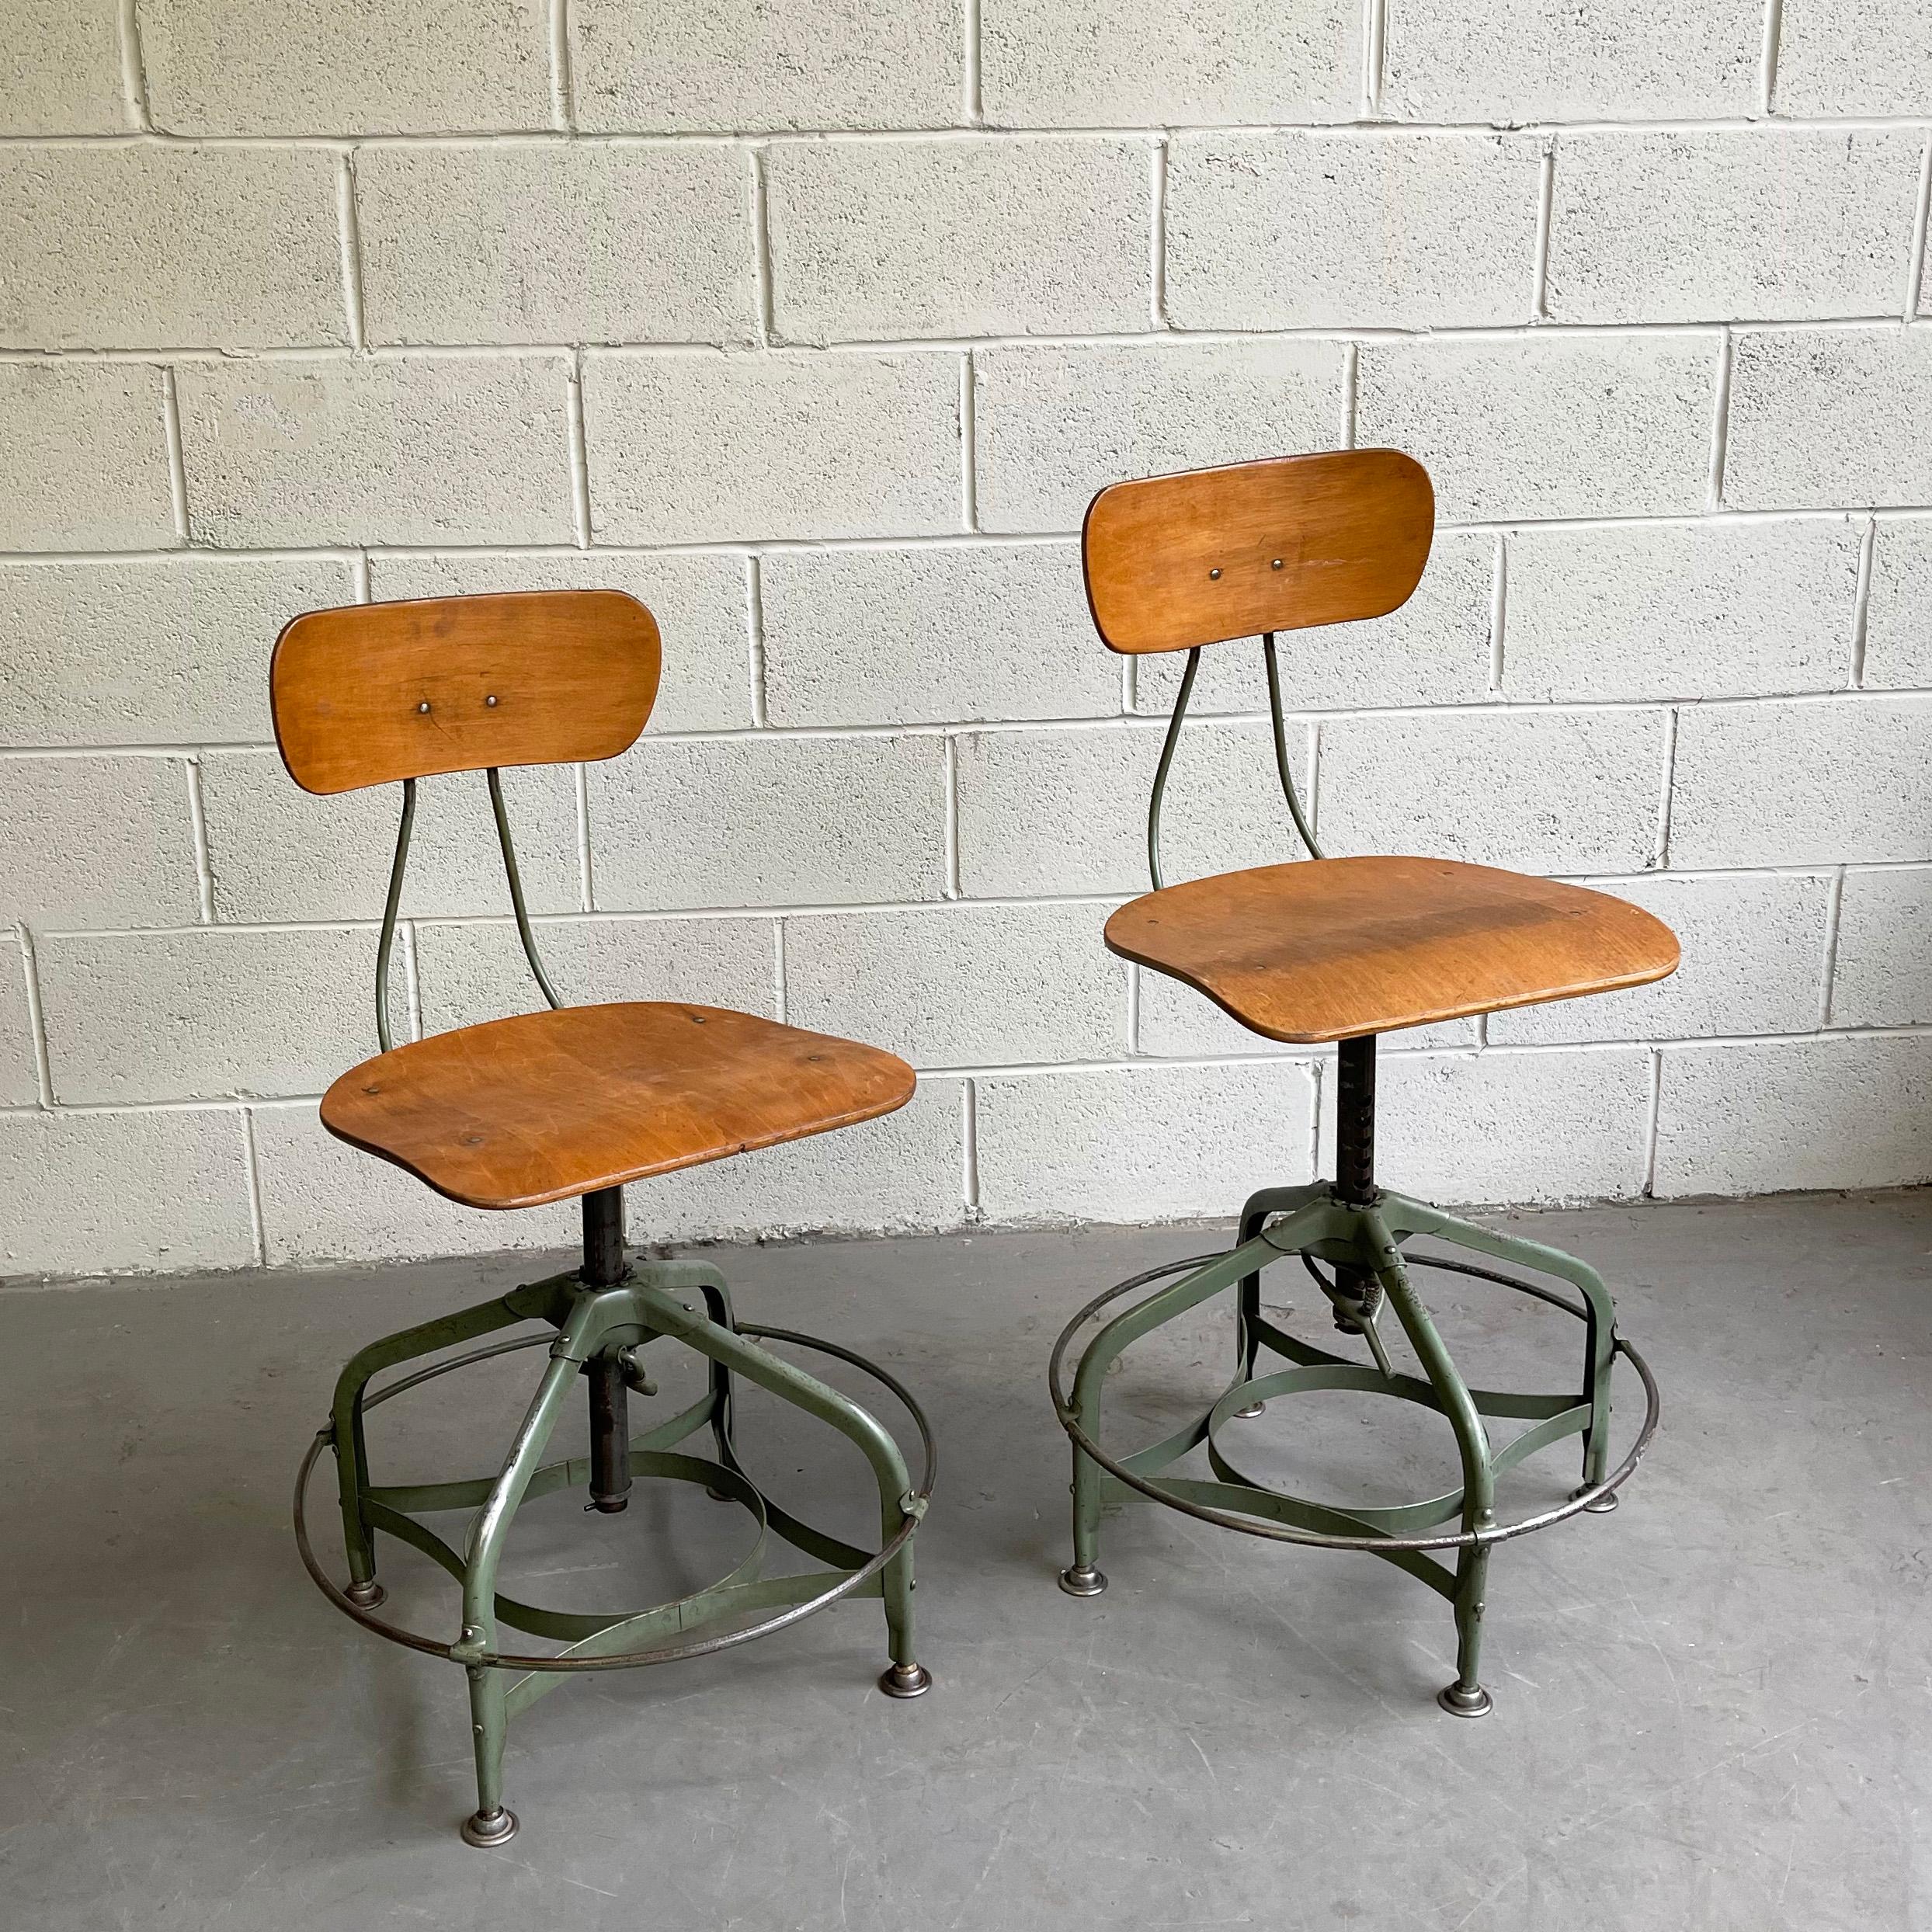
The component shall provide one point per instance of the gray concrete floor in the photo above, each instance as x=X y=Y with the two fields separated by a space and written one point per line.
x=1713 y=1708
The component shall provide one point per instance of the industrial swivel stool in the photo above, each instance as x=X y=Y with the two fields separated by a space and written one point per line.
x=1337 y=949
x=575 y=1101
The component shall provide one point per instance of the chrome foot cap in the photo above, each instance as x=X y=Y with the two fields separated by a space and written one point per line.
x=496 y=1827
x=1253 y=1410
x=1081 y=1580
x=1602 y=1506
x=906 y=1680
x=1473 y=1702
x=370 y=1596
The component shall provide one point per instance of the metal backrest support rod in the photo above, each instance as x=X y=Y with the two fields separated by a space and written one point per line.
x=390 y=907
x=1160 y=794
x=516 y=888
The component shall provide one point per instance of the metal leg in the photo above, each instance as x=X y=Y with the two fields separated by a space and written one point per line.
x=718 y=1304
x=493 y=1823
x=351 y=1452
x=1600 y=1315
x=1083 y=1577
x=1466 y=1696
x=657 y=1308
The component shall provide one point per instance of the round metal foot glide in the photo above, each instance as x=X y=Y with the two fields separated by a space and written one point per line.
x=906 y=1680
x=1080 y=1579
x=1602 y=1506
x=1253 y=1410
x=369 y=1596
x=489 y=1828
x=1461 y=1701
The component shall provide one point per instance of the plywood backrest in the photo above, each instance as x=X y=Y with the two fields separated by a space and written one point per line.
x=369 y=693
x=1206 y=555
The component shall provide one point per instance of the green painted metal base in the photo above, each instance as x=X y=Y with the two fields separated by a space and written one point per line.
x=1360 y=1241
x=591 y=1327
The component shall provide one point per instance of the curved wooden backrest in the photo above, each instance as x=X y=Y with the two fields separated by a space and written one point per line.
x=368 y=693
x=1206 y=555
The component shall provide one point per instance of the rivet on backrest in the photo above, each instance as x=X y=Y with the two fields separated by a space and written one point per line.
x=1275 y=564
x=423 y=707
x=490 y=701
x=1215 y=573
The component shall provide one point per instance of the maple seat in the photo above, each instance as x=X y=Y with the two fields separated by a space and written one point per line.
x=514 y=1112
x=1335 y=949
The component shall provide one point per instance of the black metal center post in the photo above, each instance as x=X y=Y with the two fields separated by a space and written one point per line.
x=1355 y=1169
x=610 y=1397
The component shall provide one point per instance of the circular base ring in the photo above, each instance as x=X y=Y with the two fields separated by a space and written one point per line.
x=1590 y=1497
x=486 y=1829
x=730 y=1480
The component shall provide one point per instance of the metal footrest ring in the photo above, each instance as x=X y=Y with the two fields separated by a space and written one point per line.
x=1245 y=1393
x=730 y=1482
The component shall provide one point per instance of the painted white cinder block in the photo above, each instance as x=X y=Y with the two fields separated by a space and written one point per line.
x=104 y=1194
x=205 y=1015
x=728 y=65
x=1514 y=60
x=961 y=985
x=937 y=634
x=384 y=67
x=1824 y=418
x=1056 y=424
x=1178 y=1023
x=705 y=448
x=1777 y=223
x=773 y=820
x=899 y=1174
x=1052 y=811
x=408 y=450
x=1848 y=1111
x=1140 y=1143
x=1122 y=63
x=278 y=853
x=1845 y=57
x=1898 y=617
x=701 y=604
x=559 y=243
x=62 y=75
x=1753 y=962
x=1312 y=230
x=981 y=236
x=1562 y=792
x=1584 y=425
x=1882 y=971
x=83 y=458
x=1816 y=783
x=19 y=1075
x=478 y=971
x=147 y=247
x=1681 y=611
x=149 y=650
x=1435 y=650
x=1459 y=1128
x=323 y=1200
x=97 y=841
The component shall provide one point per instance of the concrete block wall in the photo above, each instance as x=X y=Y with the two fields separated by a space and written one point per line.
x=814 y=324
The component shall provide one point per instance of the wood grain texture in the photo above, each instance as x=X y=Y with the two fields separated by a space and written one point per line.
x=544 y=1106
x=370 y=693
x=1331 y=949
x=1206 y=555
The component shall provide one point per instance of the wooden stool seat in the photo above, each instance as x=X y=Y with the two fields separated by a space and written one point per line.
x=1334 y=949
x=545 y=1105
